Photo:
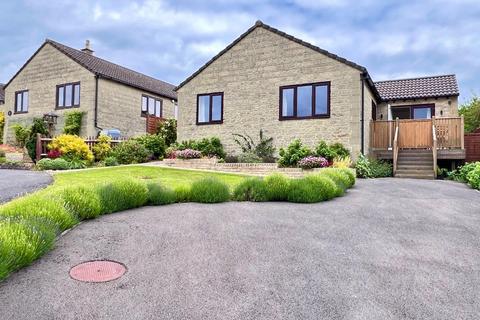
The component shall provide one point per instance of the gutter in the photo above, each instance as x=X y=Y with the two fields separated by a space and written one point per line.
x=362 y=116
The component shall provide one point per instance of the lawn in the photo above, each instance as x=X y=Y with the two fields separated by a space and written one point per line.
x=166 y=176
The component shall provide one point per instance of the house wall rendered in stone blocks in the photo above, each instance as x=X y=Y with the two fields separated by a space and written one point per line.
x=49 y=68
x=368 y=98
x=448 y=106
x=119 y=107
x=250 y=74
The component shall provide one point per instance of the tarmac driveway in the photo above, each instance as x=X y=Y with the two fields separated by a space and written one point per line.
x=389 y=249
x=14 y=183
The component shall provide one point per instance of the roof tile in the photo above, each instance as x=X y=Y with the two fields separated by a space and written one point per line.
x=2 y=93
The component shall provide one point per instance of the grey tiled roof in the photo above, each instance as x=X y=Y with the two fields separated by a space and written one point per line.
x=114 y=72
x=2 y=93
x=425 y=87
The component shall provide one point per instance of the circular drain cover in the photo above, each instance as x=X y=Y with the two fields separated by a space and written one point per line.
x=98 y=271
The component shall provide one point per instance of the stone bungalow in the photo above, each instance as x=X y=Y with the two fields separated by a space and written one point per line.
x=269 y=80
x=58 y=79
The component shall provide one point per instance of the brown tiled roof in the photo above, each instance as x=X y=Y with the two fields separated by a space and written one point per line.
x=111 y=71
x=260 y=24
x=2 y=93
x=414 y=88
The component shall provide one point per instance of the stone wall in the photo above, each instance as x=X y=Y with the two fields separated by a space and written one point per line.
x=40 y=77
x=250 y=75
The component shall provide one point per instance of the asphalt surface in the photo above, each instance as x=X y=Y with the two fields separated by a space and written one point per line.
x=14 y=183
x=389 y=249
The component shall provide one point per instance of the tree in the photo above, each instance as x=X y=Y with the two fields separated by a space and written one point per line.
x=471 y=113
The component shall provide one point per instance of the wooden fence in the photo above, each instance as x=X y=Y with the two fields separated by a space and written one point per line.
x=42 y=144
x=152 y=123
x=472 y=146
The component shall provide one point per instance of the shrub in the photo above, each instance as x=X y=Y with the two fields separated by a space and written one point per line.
x=2 y=124
x=83 y=202
x=154 y=144
x=159 y=195
x=341 y=179
x=461 y=173
x=102 y=149
x=342 y=162
x=40 y=127
x=182 y=193
x=168 y=131
x=209 y=190
x=231 y=158
x=311 y=162
x=473 y=177
x=111 y=161
x=73 y=123
x=323 y=150
x=188 y=154
x=170 y=152
x=122 y=195
x=211 y=148
x=53 y=164
x=264 y=149
x=41 y=207
x=381 y=169
x=295 y=152
x=54 y=154
x=21 y=134
x=22 y=241
x=312 y=188
x=362 y=167
x=249 y=157
x=339 y=150
x=277 y=187
x=72 y=148
x=131 y=151
x=251 y=189
x=350 y=173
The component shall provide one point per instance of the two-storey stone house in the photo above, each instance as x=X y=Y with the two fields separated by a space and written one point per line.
x=269 y=80
x=58 y=79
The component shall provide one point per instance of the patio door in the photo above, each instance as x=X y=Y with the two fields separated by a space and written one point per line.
x=418 y=111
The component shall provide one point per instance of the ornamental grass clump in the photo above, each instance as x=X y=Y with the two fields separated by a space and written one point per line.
x=311 y=162
x=22 y=241
x=182 y=193
x=312 y=188
x=160 y=195
x=251 y=189
x=209 y=190
x=41 y=207
x=122 y=195
x=339 y=177
x=277 y=187
x=83 y=202
x=188 y=154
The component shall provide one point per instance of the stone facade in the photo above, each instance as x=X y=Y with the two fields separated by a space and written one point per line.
x=250 y=74
x=119 y=106
x=444 y=107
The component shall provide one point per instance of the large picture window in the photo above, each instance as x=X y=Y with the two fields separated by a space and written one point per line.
x=21 y=101
x=210 y=108
x=305 y=101
x=151 y=106
x=68 y=95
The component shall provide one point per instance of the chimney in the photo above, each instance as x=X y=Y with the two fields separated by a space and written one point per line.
x=87 y=48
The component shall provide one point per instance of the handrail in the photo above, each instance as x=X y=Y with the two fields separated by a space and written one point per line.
x=434 y=148
x=395 y=148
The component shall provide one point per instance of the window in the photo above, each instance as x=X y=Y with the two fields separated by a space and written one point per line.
x=21 y=101
x=151 y=106
x=68 y=95
x=210 y=108
x=420 y=111
x=305 y=101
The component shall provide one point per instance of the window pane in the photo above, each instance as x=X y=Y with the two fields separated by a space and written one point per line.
x=400 y=113
x=321 y=100
x=144 y=104
x=76 y=95
x=287 y=102
x=68 y=95
x=151 y=106
x=422 y=113
x=217 y=108
x=61 y=91
x=203 y=108
x=304 y=101
x=157 y=108
x=18 y=107
x=25 y=101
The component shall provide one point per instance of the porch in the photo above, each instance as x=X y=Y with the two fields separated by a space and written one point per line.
x=410 y=142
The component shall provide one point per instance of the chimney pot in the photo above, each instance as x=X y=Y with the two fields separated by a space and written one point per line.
x=87 y=48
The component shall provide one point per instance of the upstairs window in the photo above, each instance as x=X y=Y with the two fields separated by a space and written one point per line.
x=21 y=101
x=210 y=108
x=305 y=101
x=151 y=106
x=68 y=95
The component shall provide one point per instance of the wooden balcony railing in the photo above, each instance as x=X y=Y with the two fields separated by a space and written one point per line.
x=417 y=134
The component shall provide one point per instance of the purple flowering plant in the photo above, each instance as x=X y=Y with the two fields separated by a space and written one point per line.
x=311 y=162
x=188 y=154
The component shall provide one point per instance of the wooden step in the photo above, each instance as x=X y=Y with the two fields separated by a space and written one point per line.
x=415 y=166
x=415 y=176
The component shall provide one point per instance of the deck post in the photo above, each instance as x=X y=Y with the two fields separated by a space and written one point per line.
x=38 y=148
x=462 y=133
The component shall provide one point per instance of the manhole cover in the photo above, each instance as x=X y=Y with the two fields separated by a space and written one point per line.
x=98 y=271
